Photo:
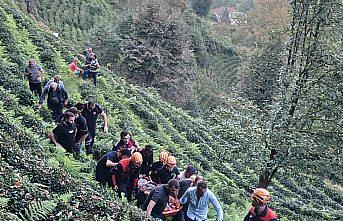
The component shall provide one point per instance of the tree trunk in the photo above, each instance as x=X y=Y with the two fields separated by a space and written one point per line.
x=31 y=6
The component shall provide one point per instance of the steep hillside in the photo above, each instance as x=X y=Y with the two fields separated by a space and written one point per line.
x=72 y=20
x=53 y=186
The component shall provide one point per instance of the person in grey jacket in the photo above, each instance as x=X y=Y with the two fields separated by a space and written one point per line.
x=57 y=99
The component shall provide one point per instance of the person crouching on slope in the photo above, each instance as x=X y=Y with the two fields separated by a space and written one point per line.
x=260 y=211
x=126 y=142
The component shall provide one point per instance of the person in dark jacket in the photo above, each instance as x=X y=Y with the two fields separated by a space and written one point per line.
x=90 y=112
x=106 y=167
x=260 y=211
x=168 y=171
x=163 y=157
x=82 y=129
x=159 y=197
x=57 y=99
x=148 y=157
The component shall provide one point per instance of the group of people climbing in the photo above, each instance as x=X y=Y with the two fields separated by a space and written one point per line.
x=159 y=187
x=78 y=125
x=54 y=89
x=90 y=68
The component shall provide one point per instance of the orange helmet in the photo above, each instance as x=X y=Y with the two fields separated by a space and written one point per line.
x=164 y=156
x=171 y=161
x=261 y=195
x=137 y=158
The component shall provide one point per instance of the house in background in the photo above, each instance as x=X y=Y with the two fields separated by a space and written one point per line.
x=229 y=14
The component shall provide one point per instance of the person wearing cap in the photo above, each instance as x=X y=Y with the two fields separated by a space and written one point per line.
x=57 y=80
x=74 y=68
x=34 y=74
x=159 y=197
x=168 y=171
x=65 y=132
x=163 y=157
x=125 y=178
x=57 y=99
x=199 y=198
x=190 y=170
x=188 y=181
x=260 y=210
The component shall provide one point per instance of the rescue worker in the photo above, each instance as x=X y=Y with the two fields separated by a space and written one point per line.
x=163 y=157
x=168 y=171
x=125 y=179
x=260 y=211
x=199 y=198
x=106 y=166
x=65 y=132
x=159 y=197
x=34 y=74
x=57 y=99
x=126 y=142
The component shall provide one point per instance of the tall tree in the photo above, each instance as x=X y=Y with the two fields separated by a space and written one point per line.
x=309 y=105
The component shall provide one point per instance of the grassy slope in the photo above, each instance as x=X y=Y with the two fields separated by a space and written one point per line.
x=151 y=120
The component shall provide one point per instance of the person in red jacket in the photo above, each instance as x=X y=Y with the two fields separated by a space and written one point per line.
x=260 y=211
x=125 y=178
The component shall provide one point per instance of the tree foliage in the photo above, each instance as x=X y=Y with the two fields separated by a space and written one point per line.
x=201 y=7
x=307 y=108
x=155 y=50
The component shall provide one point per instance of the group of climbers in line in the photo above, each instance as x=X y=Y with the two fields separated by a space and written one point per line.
x=159 y=187
x=78 y=125
x=35 y=72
